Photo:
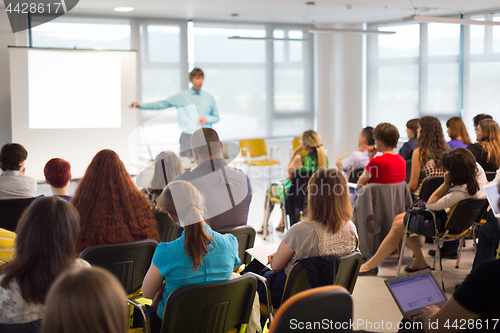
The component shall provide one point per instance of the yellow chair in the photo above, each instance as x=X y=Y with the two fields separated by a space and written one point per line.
x=7 y=239
x=296 y=142
x=255 y=152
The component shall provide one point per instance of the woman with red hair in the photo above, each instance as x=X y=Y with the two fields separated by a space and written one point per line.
x=112 y=208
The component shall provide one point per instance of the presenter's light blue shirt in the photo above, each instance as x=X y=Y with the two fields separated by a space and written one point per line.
x=191 y=105
x=177 y=267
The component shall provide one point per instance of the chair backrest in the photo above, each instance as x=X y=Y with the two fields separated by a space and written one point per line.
x=166 y=227
x=354 y=174
x=296 y=281
x=256 y=147
x=332 y=304
x=429 y=185
x=408 y=171
x=348 y=270
x=210 y=308
x=245 y=234
x=464 y=214
x=11 y=210
x=29 y=327
x=490 y=175
x=129 y=262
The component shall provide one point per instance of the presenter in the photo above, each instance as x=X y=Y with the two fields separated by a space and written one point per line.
x=206 y=110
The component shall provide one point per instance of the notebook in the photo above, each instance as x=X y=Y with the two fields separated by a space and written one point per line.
x=492 y=194
x=413 y=291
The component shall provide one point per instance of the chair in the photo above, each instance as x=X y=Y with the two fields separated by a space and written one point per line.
x=458 y=223
x=374 y=212
x=215 y=307
x=408 y=171
x=330 y=303
x=11 y=210
x=272 y=200
x=129 y=262
x=256 y=148
x=354 y=174
x=166 y=227
x=348 y=270
x=429 y=186
x=245 y=235
x=490 y=175
x=30 y=327
x=296 y=201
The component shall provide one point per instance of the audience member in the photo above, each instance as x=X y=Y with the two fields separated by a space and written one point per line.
x=13 y=183
x=112 y=208
x=411 y=132
x=480 y=117
x=58 y=174
x=487 y=149
x=390 y=168
x=88 y=300
x=315 y=158
x=457 y=133
x=227 y=190
x=199 y=256
x=326 y=230
x=45 y=247
x=358 y=158
x=426 y=159
x=461 y=181
x=167 y=167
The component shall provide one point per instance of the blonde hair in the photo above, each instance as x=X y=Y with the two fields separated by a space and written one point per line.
x=328 y=199
x=313 y=141
x=86 y=300
x=491 y=140
x=165 y=172
x=181 y=199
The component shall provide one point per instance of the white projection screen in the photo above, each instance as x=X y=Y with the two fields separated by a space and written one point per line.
x=71 y=104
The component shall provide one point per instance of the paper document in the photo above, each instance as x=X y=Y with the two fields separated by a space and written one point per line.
x=262 y=252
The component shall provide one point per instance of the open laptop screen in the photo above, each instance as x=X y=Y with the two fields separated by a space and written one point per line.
x=415 y=292
x=492 y=194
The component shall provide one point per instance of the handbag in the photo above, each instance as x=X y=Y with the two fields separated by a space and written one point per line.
x=421 y=222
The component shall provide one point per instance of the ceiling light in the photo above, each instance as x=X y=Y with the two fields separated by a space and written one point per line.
x=436 y=19
x=124 y=9
x=349 y=31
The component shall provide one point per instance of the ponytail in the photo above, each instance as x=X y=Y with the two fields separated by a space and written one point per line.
x=196 y=240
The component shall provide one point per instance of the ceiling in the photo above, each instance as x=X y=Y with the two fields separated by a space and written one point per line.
x=286 y=11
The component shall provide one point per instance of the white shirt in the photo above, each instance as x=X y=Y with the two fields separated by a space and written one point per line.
x=13 y=185
x=356 y=159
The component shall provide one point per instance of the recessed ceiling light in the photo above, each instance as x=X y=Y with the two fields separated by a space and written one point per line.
x=124 y=9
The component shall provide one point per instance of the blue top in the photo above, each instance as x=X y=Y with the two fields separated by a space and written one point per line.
x=191 y=105
x=456 y=144
x=407 y=150
x=177 y=267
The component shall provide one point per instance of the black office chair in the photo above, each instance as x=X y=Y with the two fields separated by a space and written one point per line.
x=348 y=270
x=408 y=171
x=11 y=211
x=245 y=235
x=296 y=200
x=429 y=186
x=166 y=227
x=30 y=327
x=354 y=174
x=129 y=262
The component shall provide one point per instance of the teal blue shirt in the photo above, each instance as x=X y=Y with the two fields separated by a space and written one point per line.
x=177 y=267
x=191 y=105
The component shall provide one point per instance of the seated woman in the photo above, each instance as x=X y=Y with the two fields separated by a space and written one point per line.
x=426 y=159
x=457 y=132
x=13 y=183
x=94 y=295
x=460 y=183
x=45 y=247
x=199 y=256
x=315 y=158
x=325 y=230
x=112 y=208
x=390 y=168
x=409 y=146
x=167 y=167
x=487 y=149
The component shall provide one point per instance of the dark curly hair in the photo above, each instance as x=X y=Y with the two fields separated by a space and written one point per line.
x=461 y=165
x=11 y=156
x=431 y=140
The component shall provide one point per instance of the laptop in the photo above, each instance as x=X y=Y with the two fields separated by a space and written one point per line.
x=414 y=291
x=492 y=194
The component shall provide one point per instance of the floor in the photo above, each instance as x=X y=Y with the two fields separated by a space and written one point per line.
x=374 y=308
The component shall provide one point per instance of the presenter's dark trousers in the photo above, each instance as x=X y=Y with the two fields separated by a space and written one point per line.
x=185 y=142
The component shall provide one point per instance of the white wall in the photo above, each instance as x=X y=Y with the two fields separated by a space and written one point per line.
x=339 y=81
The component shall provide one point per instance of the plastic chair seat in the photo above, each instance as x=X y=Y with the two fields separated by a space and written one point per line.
x=264 y=162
